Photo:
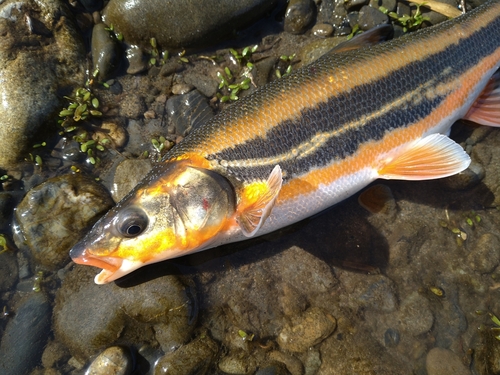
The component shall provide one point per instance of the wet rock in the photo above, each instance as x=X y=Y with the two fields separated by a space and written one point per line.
x=114 y=360
x=112 y=131
x=391 y=338
x=52 y=215
x=105 y=52
x=238 y=362
x=293 y=364
x=178 y=24
x=54 y=354
x=127 y=175
x=192 y=358
x=204 y=84
x=370 y=17
x=323 y=30
x=375 y=292
x=25 y=335
x=466 y=179
x=35 y=69
x=441 y=361
x=9 y=271
x=308 y=330
x=299 y=14
x=137 y=60
x=90 y=317
x=485 y=255
x=390 y=5
x=355 y=4
x=188 y=111
x=415 y=316
x=314 y=50
x=273 y=368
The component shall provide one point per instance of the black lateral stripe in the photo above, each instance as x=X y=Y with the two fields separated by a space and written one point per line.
x=348 y=108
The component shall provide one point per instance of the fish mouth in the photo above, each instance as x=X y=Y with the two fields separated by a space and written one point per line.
x=109 y=265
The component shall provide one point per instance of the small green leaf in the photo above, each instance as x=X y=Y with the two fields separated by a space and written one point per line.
x=95 y=103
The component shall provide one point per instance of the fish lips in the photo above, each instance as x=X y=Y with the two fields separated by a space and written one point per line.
x=81 y=255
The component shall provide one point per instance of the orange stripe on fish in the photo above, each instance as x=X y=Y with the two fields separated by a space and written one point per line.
x=305 y=142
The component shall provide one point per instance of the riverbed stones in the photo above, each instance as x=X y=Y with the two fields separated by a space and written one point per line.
x=115 y=360
x=52 y=215
x=35 y=69
x=308 y=330
x=299 y=14
x=105 y=51
x=181 y=23
x=485 y=255
x=442 y=361
x=192 y=358
x=90 y=317
x=25 y=335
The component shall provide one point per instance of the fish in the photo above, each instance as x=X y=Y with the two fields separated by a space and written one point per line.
x=367 y=110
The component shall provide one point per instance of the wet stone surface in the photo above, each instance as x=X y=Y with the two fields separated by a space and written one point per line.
x=35 y=65
x=25 y=335
x=89 y=317
x=52 y=213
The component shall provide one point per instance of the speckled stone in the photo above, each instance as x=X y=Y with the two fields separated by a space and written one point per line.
x=115 y=360
x=35 y=69
x=238 y=362
x=441 y=361
x=52 y=215
x=308 y=330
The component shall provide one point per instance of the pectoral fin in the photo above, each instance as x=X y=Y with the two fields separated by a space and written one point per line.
x=486 y=109
x=257 y=201
x=431 y=157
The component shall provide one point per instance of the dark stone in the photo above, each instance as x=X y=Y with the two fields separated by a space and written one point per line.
x=370 y=17
x=188 y=111
x=181 y=23
x=299 y=14
x=25 y=335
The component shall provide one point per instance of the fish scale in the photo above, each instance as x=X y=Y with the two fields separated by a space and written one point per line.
x=305 y=142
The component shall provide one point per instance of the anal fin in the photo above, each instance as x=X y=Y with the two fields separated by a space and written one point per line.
x=257 y=201
x=486 y=109
x=434 y=156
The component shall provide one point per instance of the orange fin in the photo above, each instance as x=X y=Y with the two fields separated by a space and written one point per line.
x=256 y=211
x=486 y=108
x=431 y=157
x=368 y=38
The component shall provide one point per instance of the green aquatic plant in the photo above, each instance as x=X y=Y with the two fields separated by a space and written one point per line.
x=408 y=22
x=157 y=56
x=355 y=31
x=288 y=65
x=232 y=88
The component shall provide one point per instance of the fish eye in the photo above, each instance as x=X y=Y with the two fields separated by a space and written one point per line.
x=132 y=222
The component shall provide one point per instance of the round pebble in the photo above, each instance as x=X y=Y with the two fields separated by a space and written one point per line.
x=105 y=51
x=322 y=30
x=238 y=362
x=115 y=360
x=441 y=361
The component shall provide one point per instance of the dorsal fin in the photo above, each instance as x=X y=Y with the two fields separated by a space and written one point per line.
x=486 y=108
x=368 y=38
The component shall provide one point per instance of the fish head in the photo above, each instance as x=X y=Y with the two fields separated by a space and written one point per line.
x=176 y=210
